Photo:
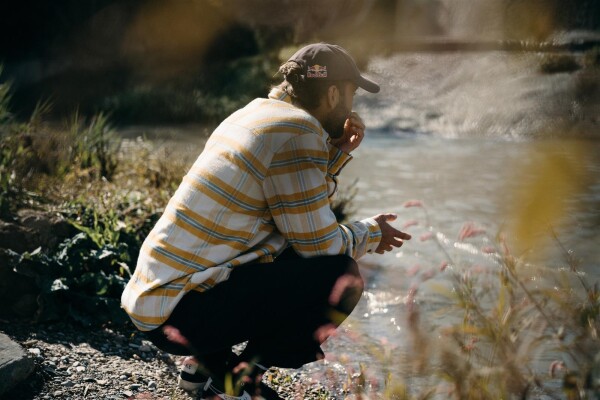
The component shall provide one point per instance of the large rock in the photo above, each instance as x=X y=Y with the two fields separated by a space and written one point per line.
x=33 y=229
x=15 y=237
x=47 y=230
x=15 y=366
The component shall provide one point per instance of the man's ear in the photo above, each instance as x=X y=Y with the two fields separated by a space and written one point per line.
x=333 y=96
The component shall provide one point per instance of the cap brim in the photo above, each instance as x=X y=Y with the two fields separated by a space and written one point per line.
x=367 y=84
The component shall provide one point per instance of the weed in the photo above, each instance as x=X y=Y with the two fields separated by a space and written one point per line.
x=5 y=96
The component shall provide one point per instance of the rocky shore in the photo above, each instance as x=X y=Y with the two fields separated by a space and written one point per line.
x=73 y=362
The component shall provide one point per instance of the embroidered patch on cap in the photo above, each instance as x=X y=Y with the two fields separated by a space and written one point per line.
x=317 y=71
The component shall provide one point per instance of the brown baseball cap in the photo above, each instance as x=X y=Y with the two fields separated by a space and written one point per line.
x=331 y=62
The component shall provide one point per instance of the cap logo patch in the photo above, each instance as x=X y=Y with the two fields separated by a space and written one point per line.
x=317 y=71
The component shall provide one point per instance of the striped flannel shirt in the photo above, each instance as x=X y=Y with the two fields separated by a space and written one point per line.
x=263 y=182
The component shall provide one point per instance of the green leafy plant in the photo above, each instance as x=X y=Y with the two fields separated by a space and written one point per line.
x=87 y=270
x=5 y=96
x=95 y=145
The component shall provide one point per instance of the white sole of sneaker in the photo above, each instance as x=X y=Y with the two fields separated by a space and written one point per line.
x=190 y=386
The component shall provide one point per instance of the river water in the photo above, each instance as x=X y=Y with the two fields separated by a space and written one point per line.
x=458 y=181
x=481 y=140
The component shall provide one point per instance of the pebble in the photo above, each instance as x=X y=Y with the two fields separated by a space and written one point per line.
x=68 y=384
x=135 y=386
x=57 y=393
x=128 y=393
x=152 y=385
x=145 y=348
x=35 y=351
x=80 y=368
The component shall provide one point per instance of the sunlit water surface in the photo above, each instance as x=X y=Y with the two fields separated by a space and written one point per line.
x=458 y=181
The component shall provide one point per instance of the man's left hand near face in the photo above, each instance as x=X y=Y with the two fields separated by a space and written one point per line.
x=354 y=132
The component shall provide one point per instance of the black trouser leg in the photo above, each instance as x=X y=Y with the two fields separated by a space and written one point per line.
x=277 y=307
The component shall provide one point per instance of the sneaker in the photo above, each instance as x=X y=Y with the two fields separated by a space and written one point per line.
x=190 y=379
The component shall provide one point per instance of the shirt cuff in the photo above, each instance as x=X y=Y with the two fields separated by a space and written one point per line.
x=374 y=234
x=337 y=160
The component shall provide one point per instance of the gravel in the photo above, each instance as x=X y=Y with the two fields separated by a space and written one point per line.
x=78 y=363
x=72 y=362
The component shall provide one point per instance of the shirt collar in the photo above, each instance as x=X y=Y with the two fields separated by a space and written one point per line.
x=278 y=94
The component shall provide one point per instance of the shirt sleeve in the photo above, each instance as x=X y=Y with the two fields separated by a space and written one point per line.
x=296 y=190
x=337 y=160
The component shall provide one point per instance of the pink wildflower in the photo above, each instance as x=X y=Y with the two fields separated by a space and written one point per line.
x=556 y=366
x=412 y=271
x=412 y=293
x=470 y=346
x=410 y=223
x=324 y=331
x=426 y=236
x=443 y=266
x=344 y=282
x=413 y=203
x=477 y=269
x=175 y=336
x=488 y=250
x=469 y=230
x=428 y=275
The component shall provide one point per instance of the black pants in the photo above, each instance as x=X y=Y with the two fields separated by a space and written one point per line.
x=277 y=307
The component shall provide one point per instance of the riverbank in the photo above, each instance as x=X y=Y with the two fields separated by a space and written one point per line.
x=73 y=362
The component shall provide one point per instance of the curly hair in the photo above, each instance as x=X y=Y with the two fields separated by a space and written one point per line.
x=307 y=93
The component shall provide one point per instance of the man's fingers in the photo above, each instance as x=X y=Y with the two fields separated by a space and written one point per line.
x=389 y=216
x=396 y=242
x=403 y=235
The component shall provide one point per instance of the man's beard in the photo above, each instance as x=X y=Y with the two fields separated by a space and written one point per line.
x=335 y=120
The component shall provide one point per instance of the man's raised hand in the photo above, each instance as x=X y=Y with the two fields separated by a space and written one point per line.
x=354 y=132
x=390 y=236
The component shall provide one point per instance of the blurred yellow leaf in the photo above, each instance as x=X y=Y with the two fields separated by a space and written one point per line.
x=553 y=176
